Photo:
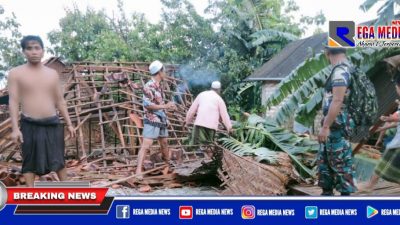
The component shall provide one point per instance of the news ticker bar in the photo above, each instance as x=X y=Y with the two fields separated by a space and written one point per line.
x=199 y=210
x=80 y=198
x=261 y=210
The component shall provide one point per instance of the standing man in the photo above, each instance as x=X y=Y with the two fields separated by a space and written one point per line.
x=335 y=158
x=209 y=107
x=388 y=167
x=155 y=119
x=37 y=88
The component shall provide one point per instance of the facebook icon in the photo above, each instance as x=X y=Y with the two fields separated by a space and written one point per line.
x=123 y=212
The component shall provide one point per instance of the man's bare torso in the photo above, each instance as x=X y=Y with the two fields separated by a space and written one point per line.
x=37 y=90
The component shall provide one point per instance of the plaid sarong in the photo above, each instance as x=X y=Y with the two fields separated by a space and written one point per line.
x=389 y=166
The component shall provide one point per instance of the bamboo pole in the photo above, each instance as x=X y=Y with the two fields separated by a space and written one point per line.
x=79 y=125
x=103 y=144
x=77 y=110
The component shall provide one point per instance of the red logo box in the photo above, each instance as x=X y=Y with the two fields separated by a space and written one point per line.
x=185 y=212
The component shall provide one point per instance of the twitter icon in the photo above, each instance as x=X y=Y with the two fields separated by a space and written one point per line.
x=311 y=212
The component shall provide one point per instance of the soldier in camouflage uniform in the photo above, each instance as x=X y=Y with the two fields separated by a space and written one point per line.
x=335 y=156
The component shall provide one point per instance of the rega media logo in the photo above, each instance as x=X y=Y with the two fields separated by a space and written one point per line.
x=345 y=34
x=341 y=34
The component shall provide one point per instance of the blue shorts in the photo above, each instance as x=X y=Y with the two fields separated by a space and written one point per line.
x=152 y=132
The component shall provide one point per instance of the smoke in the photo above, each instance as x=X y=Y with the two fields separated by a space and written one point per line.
x=197 y=78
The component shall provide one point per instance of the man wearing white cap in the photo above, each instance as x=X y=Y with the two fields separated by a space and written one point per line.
x=155 y=119
x=210 y=107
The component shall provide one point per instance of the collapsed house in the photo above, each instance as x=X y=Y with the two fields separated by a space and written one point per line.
x=104 y=101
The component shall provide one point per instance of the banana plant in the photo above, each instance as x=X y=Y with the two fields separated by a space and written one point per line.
x=300 y=94
x=386 y=13
x=259 y=136
x=270 y=36
x=260 y=154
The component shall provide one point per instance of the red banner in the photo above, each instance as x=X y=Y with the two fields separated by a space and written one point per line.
x=56 y=196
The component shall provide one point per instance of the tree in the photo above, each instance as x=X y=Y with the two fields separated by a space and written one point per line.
x=257 y=28
x=251 y=32
x=386 y=12
x=236 y=37
x=185 y=35
x=239 y=36
x=10 y=54
x=92 y=35
x=319 y=19
x=79 y=34
x=141 y=37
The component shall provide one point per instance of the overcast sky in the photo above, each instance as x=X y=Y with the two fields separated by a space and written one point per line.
x=41 y=16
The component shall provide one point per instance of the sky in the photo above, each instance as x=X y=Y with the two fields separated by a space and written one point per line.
x=42 y=16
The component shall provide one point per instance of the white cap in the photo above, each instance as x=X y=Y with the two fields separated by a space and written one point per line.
x=155 y=67
x=216 y=85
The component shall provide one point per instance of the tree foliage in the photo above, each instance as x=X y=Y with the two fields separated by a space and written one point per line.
x=386 y=12
x=86 y=36
x=10 y=53
x=234 y=38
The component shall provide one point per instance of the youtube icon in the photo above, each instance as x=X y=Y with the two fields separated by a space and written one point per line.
x=185 y=212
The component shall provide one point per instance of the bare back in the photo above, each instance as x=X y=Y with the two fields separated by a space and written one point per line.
x=37 y=90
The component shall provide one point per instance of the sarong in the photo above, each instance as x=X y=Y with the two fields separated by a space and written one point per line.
x=202 y=135
x=389 y=166
x=43 y=146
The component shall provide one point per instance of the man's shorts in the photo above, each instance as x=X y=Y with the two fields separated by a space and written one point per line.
x=152 y=132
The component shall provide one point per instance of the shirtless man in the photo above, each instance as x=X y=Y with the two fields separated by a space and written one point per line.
x=37 y=88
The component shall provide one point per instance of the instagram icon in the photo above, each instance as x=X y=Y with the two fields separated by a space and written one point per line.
x=248 y=212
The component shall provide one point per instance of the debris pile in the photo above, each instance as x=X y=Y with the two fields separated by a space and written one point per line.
x=245 y=176
x=104 y=101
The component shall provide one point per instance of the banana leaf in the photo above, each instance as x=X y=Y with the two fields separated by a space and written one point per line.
x=385 y=12
x=263 y=135
x=270 y=35
x=307 y=112
x=367 y=5
x=299 y=95
x=296 y=78
x=263 y=155
x=245 y=87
